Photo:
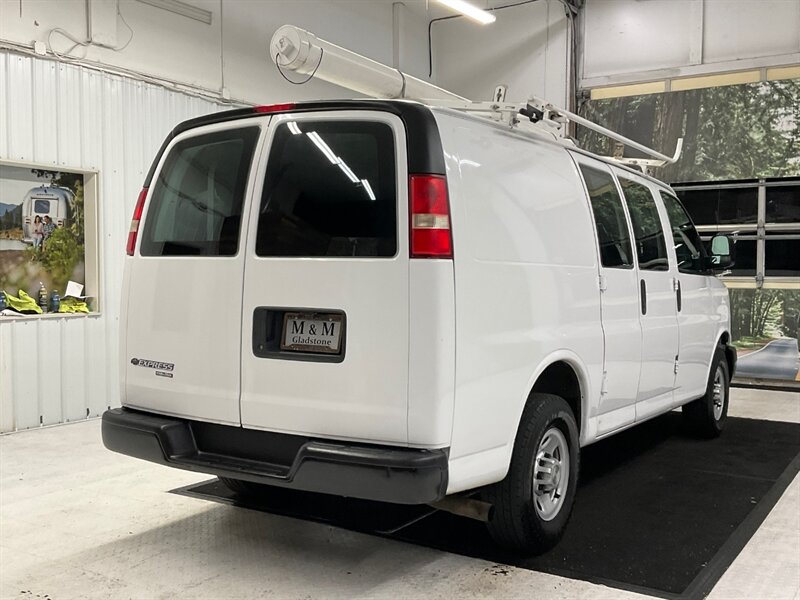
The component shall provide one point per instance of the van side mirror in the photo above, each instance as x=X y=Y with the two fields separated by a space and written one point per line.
x=722 y=253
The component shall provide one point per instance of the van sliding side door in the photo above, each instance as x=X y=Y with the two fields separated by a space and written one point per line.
x=619 y=297
x=657 y=310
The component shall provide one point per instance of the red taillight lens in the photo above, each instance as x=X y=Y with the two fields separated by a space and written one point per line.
x=430 y=217
x=274 y=108
x=137 y=216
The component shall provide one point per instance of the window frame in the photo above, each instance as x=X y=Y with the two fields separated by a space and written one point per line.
x=94 y=238
x=253 y=167
x=706 y=271
x=402 y=172
x=582 y=166
x=626 y=177
x=383 y=166
x=751 y=231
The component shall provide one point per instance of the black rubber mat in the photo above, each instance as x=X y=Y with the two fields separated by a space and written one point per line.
x=657 y=511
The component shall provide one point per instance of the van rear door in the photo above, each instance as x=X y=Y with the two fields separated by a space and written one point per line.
x=183 y=317
x=325 y=322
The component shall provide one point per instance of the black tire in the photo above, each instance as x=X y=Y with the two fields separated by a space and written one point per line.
x=518 y=520
x=706 y=416
x=244 y=488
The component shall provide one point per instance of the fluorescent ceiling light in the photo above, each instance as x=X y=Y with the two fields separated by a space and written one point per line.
x=324 y=148
x=183 y=9
x=469 y=10
x=368 y=189
x=293 y=127
x=347 y=171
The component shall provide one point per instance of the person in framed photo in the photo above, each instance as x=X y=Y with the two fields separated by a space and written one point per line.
x=37 y=232
x=47 y=229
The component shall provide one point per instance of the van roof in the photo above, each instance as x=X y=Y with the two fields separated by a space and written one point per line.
x=547 y=139
x=422 y=135
x=424 y=143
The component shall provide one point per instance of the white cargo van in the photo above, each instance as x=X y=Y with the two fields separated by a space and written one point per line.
x=386 y=300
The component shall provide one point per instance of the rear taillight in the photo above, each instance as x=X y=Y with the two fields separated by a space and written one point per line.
x=430 y=217
x=137 y=216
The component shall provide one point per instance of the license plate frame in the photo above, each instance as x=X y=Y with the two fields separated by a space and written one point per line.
x=313 y=343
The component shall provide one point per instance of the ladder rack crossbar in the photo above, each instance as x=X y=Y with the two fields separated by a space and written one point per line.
x=613 y=134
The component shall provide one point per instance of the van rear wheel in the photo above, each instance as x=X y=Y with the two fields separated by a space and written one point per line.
x=532 y=505
x=706 y=416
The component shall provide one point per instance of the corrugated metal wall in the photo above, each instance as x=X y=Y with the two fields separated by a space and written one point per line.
x=55 y=370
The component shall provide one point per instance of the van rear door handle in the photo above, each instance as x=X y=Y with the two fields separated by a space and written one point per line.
x=643 y=290
x=678 y=294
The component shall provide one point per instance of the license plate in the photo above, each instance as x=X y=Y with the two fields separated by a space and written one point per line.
x=312 y=332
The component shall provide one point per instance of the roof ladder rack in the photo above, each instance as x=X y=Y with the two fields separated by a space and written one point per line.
x=297 y=50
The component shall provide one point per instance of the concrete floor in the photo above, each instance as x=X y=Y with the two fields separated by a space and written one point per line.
x=77 y=521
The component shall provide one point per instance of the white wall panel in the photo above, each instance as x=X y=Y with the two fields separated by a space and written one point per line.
x=231 y=52
x=4 y=139
x=638 y=40
x=49 y=379
x=750 y=29
x=19 y=118
x=45 y=107
x=6 y=373
x=629 y=36
x=57 y=369
x=25 y=371
x=96 y=397
x=68 y=92
x=74 y=366
x=526 y=49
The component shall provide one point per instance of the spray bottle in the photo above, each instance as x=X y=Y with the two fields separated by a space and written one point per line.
x=42 y=297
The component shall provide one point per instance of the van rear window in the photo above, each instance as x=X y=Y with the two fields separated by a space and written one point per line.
x=41 y=207
x=196 y=203
x=330 y=190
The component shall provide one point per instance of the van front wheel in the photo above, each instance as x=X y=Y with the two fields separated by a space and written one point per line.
x=533 y=503
x=706 y=416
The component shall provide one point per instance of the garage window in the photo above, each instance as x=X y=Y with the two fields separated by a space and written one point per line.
x=767 y=249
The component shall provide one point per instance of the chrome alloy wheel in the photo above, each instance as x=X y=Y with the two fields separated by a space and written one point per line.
x=718 y=393
x=551 y=474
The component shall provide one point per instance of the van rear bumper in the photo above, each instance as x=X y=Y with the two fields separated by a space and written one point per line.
x=383 y=473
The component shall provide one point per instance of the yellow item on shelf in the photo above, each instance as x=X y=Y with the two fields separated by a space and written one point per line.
x=24 y=303
x=73 y=305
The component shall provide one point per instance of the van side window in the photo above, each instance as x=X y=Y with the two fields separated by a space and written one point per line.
x=330 y=190
x=651 y=248
x=609 y=219
x=196 y=204
x=688 y=246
